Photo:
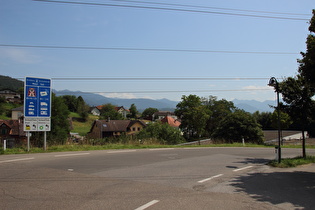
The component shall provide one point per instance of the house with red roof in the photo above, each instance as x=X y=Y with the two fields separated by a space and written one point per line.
x=114 y=128
x=171 y=121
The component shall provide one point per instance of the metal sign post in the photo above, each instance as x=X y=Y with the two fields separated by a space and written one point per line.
x=37 y=105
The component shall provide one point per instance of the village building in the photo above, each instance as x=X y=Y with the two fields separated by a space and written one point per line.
x=162 y=114
x=17 y=113
x=120 y=109
x=115 y=128
x=12 y=131
x=171 y=121
x=11 y=96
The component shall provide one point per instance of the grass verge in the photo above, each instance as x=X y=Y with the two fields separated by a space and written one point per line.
x=86 y=147
x=292 y=162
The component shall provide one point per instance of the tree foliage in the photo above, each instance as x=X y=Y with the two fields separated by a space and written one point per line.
x=285 y=120
x=76 y=104
x=218 y=119
x=193 y=115
x=219 y=110
x=297 y=92
x=148 y=112
x=162 y=132
x=108 y=112
x=60 y=126
x=307 y=63
x=133 y=111
x=264 y=119
x=237 y=126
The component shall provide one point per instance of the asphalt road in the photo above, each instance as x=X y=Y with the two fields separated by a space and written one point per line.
x=186 y=178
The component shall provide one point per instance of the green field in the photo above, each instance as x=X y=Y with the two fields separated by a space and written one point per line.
x=82 y=128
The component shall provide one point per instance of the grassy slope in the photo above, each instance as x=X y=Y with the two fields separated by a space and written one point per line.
x=82 y=127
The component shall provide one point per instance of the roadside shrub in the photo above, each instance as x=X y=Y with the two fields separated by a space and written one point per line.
x=163 y=132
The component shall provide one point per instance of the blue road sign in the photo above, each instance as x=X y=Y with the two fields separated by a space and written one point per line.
x=37 y=101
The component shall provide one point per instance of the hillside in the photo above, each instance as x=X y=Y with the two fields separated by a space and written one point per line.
x=10 y=83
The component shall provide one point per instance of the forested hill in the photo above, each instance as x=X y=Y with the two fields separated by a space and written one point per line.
x=10 y=83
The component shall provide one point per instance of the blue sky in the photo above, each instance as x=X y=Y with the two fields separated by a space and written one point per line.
x=207 y=37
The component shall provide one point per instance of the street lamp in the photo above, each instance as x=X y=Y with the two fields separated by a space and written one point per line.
x=274 y=83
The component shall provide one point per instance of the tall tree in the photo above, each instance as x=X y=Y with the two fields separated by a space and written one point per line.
x=60 y=126
x=193 y=115
x=108 y=112
x=148 y=112
x=133 y=111
x=219 y=110
x=297 y=92
x=307 y=63
x=71 y=102
x=82 y=108
x=237 y=126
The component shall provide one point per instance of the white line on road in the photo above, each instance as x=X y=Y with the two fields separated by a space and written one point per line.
x=151 y=203
x=208 y=179
x=76 y=154
x=14 y=160
x=161 y=149
x=239 y=169
x=121 y=151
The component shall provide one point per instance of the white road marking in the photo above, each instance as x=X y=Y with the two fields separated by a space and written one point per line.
x=121 y=151
x=239 y=169
x=14 y=160
x=145 y=206
x=75 y=154
x=161 y=149
x=208 y=179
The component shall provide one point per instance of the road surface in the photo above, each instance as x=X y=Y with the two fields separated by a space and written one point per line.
x=180 y=178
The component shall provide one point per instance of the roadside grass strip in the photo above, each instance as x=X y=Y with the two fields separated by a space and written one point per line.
x=147 y=205
x=208 y=179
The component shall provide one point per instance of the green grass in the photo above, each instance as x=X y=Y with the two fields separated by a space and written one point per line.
x=292 y=162
x=82 y=128
x=86 y=147
x=77 y=147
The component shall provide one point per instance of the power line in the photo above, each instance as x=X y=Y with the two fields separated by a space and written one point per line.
x=208 y=7
x=155 y=78
x=173 y=9
x=165 y=91
x=146 y=49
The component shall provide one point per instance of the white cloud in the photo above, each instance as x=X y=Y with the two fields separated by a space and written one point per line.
x=119 y=95
x=258 y=88
x=19 y=55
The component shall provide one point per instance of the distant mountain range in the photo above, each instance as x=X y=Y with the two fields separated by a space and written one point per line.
x=141 y=103
x=161 y=104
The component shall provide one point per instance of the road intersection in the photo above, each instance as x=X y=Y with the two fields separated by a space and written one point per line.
x=181 y=178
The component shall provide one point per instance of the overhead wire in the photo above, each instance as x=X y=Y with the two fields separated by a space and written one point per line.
x=166 y=91
x=171 y=9
x=153 y=78
x=208 y=7
x=146 y=49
